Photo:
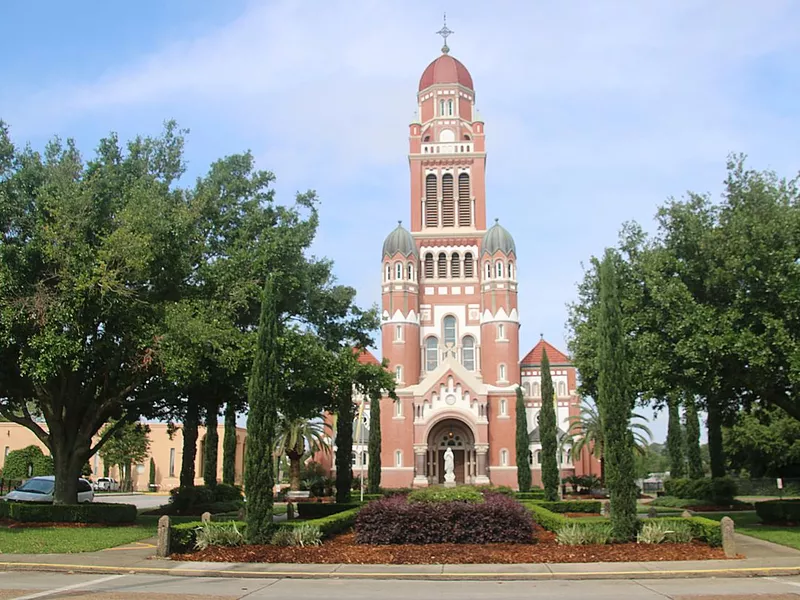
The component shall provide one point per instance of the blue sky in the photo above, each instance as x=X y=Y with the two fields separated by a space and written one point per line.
x=596 y=111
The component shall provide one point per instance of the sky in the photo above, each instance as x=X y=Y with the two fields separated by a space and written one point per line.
x=596 y=111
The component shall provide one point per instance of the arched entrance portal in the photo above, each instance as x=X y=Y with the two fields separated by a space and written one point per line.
x=454 y=434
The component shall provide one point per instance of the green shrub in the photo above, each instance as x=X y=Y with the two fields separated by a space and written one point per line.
x=546 y=518
x=702 y=529
x=531 y=495
x=27 y=462
x=191 y=499
x=673 y=502
x=495 y=489
x=653 y=532
x=303 y=535
x=681 y=533
x=314 y=510
x=218 y=534
x=442 y=494
x=576 y=533
x=570 y=506
x=329 y=526
x=779 y=511
x=3 y=509
x=88 y=512
x=719 y=490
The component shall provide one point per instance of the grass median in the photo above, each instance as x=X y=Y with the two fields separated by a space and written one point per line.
x=748 y=523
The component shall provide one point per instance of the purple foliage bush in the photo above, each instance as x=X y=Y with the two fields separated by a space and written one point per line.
x=394 y=520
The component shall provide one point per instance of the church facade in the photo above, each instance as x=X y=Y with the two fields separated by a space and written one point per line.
x=450 y=320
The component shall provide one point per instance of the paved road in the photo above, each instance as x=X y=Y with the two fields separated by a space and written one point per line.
x=30 y=586
x=140 y=500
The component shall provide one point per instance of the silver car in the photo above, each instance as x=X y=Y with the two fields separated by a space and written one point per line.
x=40 y=489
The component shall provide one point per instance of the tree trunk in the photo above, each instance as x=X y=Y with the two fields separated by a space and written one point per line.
x=210 y=458
x=715 y=449
x=294 y=470
x=189 y=444
x=69 y=456
x=693 y=454
x=229 y=445
x=677 y=461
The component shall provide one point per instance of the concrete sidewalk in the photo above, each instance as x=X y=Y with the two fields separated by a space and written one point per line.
x=762 y=559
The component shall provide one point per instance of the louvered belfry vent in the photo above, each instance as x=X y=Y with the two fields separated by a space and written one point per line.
x=455 y=265
x=468 y=265
x=429 y=265
x=448 y=202
x=431 y=202
x=464 y=201
x=441 y=270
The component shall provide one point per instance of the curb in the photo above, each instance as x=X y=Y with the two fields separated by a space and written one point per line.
x=507 y=576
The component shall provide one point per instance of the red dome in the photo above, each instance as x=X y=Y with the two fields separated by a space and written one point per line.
x=445 y=69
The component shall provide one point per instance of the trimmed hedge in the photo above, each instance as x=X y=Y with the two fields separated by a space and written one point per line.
x=186 y=500
x=546 y=518
x=314 y=510
x=88 y=512
x=779 y=511
x=442 y=494
x=396 y=520
x=531 y=495
x=183 y=535
x=573 y=506
x=707 y=530
x=719 y=490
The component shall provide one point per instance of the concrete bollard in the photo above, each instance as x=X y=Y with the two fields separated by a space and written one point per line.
x=606 y=508
x=687 y=514
x=206 y=517
x=728 y=538
x=164 y=534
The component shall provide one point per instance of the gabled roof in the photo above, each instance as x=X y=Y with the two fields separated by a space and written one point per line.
x=365 y=357
x=554 y=355
x=534 y=437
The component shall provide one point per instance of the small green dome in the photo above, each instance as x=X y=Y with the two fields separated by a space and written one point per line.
x=400 y=240
x=496 y=239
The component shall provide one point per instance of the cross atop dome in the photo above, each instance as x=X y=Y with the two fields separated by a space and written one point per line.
x=445 y=32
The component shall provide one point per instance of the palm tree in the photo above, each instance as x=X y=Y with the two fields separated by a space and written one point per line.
x=295 y=437
x=586 y=431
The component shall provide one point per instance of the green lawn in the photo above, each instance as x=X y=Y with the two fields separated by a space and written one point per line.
x=747 y=522
x=41 y=540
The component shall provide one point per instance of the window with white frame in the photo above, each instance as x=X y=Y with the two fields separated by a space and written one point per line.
x=388 y=272
x=502 y=372
x=398 y=458
x=468 y=353
x=530 y=457
x=488 y=270
x=410 y=271
x=449 y=323
x=450 y=108
x=441 y=108
x=501 y=331
x=398 y=408
x=398 y=373
x=538 y=457
x=562 y=389
x=511 y=270
x=398 y=333
x=503 y=407
x=504 y=457
x=499 y=269
x=536 y=389
x=431 y=354
x=398 y=271
x=526 y=389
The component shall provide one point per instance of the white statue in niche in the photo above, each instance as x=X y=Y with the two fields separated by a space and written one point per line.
x=449 y=468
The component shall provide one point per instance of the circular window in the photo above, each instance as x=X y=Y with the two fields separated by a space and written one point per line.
x=451 y=399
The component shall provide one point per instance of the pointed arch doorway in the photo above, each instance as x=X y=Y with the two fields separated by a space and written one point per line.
x=456 y=435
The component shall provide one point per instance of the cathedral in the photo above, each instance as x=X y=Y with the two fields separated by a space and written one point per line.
x=450 y=322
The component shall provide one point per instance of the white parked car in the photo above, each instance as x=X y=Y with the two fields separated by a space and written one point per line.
x=40 y=489
x=106 y=484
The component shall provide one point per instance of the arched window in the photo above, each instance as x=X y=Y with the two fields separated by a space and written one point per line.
x=449 y=323
x=469 y=267
x=511 y=270
x=536 y=392
x=450 y=108
x=431 y=201
x=398 y=373
x=398 y=333
x=538 y=457
x=464 y=201
x=398 y=271
x=398 y=458
x=468 y=352
x=398 y=408
x=526 y=389
x=355 y=459
x=431 y=354
x=501 y=331
x=441 y=267
x=448 y=202
x=441 y=107
x=388 y=272
x=427 y=138
x=499 y=269
x=455 y=265
x=504 y=457
x=530 y=457
x=488 y=270
x=502 y=372
x=503 y=407
x=562 y=389
x=410 y=272
x=429 y=265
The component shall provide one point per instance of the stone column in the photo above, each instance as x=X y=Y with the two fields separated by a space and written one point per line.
x=420 y=455
x=728 y=538
x=482 y=456
x=164 y=531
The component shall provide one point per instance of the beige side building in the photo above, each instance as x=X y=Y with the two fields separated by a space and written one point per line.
x=166 y=452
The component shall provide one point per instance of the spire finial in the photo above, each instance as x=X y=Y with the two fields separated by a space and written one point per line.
x=541 y=336
x=399 y=223
x=496 y=220
x=445 y=32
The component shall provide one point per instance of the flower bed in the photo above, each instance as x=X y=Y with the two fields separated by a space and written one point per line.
x=345 y=549
x=398 y=520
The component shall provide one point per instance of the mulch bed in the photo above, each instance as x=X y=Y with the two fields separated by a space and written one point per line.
x=343 y=549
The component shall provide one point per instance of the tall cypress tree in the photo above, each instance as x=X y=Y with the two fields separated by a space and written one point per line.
x=229 y=445
x=616 y=401
x=263 y=402
x=677 y=461
x=715 y=450
x=211 y=455
x=694 y=458
x=374 y=448
x=547 y=433
x=523 y=463
x=344 y=443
